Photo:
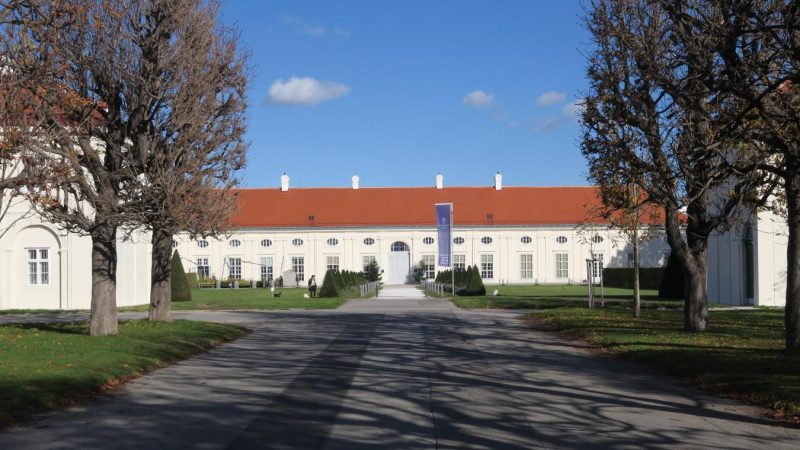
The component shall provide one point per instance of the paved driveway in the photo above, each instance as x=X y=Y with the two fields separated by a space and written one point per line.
x=392 y=373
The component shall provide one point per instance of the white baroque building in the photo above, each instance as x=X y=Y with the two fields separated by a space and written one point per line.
x=521 y=235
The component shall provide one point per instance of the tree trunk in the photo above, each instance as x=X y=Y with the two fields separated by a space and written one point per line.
x=792 y=310
x=103 y=316
x=161 y=279
x=637 y=301
x=695 y=311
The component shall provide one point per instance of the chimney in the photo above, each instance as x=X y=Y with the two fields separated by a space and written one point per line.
x=439 y=181
x=355 y=182
x=284 y=182
x=498 y=181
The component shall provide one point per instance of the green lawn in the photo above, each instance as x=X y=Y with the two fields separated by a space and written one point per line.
x=741 y=355
x=247 y=298
x=44 y=366
x=555 y=296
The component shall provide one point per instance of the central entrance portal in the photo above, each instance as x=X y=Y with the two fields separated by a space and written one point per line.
x=399 y=263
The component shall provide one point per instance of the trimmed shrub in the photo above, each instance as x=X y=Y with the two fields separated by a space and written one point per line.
x=178 y=280
x=649 y=277
x=191 y=279
x=373 y=272
x=672 y=283
x=474 y=284
x=329 y=288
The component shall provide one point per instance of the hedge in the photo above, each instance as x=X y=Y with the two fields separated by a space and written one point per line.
x=649 y=277
x=179 y=282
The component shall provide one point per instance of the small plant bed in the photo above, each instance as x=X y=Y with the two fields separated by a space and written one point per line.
x=741 y=356
x=45 y=366
x=247 y=298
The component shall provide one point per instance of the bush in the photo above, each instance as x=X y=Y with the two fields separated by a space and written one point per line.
x=649 y=277
x=337 y=284
x=178 y=280
x=191 y=279
x=672 y=283
x=373 y=272
x=474 y=285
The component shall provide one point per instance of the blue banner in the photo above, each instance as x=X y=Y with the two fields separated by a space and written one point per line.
x=444 y=226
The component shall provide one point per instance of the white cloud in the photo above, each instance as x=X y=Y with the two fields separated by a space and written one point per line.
x=303 y=27
x=574 y=109
x=551 y=98
x=477 y=99
x=304 y=91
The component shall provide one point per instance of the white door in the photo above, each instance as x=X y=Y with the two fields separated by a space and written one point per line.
x=398 y=267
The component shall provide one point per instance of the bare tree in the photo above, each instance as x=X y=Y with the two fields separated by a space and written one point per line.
x=653 y=119
x=188 y=127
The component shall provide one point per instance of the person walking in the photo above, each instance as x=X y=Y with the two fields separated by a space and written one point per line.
x=312 y=286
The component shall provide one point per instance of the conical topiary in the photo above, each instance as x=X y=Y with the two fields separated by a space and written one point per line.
x=178 y=281
x=328 y=288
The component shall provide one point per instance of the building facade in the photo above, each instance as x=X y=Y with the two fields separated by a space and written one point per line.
x=514 y=235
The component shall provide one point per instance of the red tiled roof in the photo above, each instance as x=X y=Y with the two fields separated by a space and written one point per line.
x=413 y=206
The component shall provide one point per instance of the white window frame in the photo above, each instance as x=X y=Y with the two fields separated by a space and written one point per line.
x=459 y=261
x=332 y=262
x=299 y=262
x=207 y=266
x=266 y=268
x=526 y=266
x=562 y=265
x=366 y=260
x=487 y=266
x=597 y=266
x=38 y=272
x=235 y=267
x=429 y=264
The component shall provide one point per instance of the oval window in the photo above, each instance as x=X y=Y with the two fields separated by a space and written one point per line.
x=174 y=243
x=333 y=242
x=561 y=239
x=526 y=239
x=234 y=243
x=297 y=242
x=486 y=240
x=458 y=240
x=266 y=243
x=369 y=241
x=427 y=241
x=597 y=239
x=202 y=243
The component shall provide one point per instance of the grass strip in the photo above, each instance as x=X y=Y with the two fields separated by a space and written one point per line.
x=46 y=366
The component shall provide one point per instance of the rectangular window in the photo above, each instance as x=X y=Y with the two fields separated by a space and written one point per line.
x=235 y=268
x=562 y=265
x=333 y=263
x=459 y=262
x=597 y=266
x=366 y=261
x=203 y=268
x=429 y=264
x=38 y=266
x=299 y=267
x=487 y=266
x=265 y=263
x=526 y=266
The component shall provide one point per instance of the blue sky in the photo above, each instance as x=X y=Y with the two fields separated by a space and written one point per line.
x=396 y=91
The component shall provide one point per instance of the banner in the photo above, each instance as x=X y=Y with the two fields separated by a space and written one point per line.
x=444 y=226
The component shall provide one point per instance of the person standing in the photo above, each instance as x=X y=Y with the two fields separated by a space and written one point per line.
x=312 y=286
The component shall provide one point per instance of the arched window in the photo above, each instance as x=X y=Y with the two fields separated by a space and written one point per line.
x=234 y=243
x=597 y=239
x=561 y=239
x=458 y=240
x=486 y=240
x=297 y=242
x=427 y=241
x=202 y=243
x=526 y=239
x=400 y=246
x=266 y=243
x=333 y=242
x=369 y=241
